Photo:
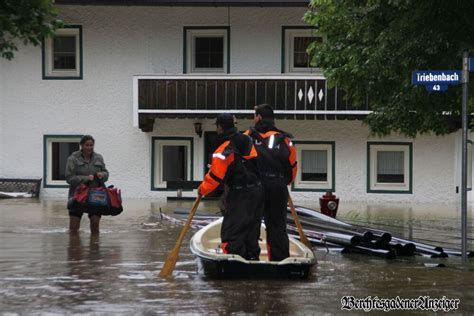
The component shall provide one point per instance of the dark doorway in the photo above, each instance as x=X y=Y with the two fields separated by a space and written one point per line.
x=175 y=165
x=60 y=152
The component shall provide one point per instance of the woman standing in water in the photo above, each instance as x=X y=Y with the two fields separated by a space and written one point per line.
x=88 y=167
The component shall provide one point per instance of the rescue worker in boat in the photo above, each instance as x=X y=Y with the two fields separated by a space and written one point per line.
x=277 y=165
x=234 y=165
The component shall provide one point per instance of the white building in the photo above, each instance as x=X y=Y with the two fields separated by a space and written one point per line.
x=139 y=77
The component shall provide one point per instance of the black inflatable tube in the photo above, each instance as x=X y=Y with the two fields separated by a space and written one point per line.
x=311 y=225
x=387 y=254
x=313 y=217
x=433 y=251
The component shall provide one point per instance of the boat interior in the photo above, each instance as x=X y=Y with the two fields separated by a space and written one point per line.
x=211 y=242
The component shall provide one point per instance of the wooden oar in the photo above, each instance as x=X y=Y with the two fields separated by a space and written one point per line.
x=170 y=262
x=303 y=238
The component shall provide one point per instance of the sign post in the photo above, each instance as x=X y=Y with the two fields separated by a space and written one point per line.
x=465 y=82
x=437 y=81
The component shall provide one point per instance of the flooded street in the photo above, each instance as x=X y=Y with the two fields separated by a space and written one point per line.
x=44 y=269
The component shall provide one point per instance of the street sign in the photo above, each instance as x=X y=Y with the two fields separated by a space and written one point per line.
x=439 y=81
x=435 y=81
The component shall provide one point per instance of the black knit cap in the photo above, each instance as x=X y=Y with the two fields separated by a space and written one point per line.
x=225 y=120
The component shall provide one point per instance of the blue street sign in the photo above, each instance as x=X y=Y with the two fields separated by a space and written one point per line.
x=437 y=80
x=471 y=64
x=424 y=77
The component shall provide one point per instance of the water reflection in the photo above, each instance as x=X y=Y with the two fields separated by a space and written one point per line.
x=257 y=299
x=84 y=261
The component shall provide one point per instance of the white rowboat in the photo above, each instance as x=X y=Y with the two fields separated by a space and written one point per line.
x=205 y=245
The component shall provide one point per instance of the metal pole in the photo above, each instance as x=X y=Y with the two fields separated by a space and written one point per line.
x=465 y=81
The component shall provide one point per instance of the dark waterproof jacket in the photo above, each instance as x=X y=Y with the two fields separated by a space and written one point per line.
x=276 y=154
x=233 y=164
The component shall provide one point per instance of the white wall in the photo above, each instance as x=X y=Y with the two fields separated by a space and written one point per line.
x=457 y=164
x=119 y=42
x=433 y=168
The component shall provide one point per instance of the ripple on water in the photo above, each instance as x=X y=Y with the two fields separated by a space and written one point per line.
x=132 y=277
x=149 y=285
x=156 y=300
x=185 y=263
x=151 y=229
x=181 y=275
x=21 y=279
x=42 y=231
x=61 y=278
x=130 y=264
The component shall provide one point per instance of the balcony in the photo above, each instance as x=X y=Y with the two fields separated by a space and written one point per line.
x=300 y=97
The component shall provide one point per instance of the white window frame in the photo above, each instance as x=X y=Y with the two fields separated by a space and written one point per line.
x=48 y=142
x=379 y=187
x=48 y=55
x=191 y=34
x=290 y=34
x=314 y=185
x=158 y=143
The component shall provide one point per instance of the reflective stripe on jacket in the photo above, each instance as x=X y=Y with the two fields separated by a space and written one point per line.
x=272 y=158
x=222 y=161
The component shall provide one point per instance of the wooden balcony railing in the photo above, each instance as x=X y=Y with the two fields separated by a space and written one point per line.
x=188 y=96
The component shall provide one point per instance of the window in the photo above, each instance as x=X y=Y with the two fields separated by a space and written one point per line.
x=316 y=166
x=206 y=50
x=57 y=148
x=295 y=43
x=208 y=53
x=389 y=167
x=62 y=54
x=172 y=160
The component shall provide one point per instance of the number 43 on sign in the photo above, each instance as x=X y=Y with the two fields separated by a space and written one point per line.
x=437 y=87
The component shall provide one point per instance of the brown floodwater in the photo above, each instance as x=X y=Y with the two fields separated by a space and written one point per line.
x=45 y=270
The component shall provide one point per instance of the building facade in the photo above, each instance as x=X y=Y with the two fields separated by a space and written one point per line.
x=148 y=81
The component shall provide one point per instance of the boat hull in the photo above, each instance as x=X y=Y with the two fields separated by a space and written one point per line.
x=212 y=262
x=234 y=269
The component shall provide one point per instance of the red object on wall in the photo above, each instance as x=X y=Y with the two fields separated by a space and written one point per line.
x=329 y=204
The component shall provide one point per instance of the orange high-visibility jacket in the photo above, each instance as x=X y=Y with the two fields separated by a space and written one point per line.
x=222 y=160
x=267 y=144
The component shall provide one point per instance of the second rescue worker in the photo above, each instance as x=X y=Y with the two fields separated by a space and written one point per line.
x=234 y=164
x=277 y=165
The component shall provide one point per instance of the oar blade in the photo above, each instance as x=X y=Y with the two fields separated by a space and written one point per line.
x=169 y=264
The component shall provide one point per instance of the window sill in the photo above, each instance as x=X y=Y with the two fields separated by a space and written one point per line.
x=57 y=186
x=388 y=191
x=311 y=189
x=63 y=75
x=170 y=190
